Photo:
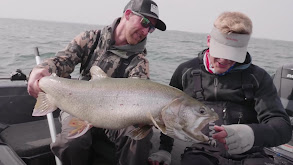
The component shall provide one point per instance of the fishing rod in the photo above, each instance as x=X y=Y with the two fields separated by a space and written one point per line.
x=50 y=117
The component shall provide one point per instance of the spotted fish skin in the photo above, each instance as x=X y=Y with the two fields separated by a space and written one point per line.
x=115 y=103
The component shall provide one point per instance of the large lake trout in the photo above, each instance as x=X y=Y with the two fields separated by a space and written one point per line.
x=115 y=103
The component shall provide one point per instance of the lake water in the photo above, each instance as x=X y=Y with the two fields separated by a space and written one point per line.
x=166 y=50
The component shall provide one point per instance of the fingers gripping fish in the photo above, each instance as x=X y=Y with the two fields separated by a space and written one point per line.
x=115 y=103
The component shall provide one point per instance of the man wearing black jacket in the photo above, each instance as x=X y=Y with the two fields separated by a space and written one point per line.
x=244 y=96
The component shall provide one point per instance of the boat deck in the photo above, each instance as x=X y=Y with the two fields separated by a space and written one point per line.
x=26 y=137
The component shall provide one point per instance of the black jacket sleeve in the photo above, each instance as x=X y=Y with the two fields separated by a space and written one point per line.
x=274 y=126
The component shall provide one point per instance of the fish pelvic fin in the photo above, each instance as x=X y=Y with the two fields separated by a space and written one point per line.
x=161 y=127
x=140 y=132
x=43 y=106
x=97 y=73
x=79 y=128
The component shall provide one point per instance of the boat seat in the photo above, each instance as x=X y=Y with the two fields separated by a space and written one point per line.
x=27 y=135
x=283 y=80
x=30 y=139
x=8 y=156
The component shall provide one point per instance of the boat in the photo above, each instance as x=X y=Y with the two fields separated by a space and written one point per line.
x=25 y=140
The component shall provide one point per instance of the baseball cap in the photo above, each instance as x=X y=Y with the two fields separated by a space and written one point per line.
x=146 y=8
x=231 y=46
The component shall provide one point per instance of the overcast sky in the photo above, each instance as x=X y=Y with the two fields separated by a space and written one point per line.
x=272 y=19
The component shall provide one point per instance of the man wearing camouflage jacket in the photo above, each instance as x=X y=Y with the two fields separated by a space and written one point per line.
x=119 y=50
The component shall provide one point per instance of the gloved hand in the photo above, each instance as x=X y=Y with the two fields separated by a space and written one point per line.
x=160 y=157
x=239 y=138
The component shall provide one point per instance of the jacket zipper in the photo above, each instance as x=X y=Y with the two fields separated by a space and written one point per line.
x=216 y=81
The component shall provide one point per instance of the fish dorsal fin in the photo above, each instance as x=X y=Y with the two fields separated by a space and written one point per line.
x=97 y=73
x=139 y=78
x=161 y=127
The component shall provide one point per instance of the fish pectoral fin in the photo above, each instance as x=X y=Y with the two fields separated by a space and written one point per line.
x=170 y=117
x=161 y=127
x=170 y=132
x=140 y=132
x=79 y=128
x=43 y=105
x=97 y=73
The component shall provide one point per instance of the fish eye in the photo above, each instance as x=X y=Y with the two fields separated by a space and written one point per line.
x=202 y=111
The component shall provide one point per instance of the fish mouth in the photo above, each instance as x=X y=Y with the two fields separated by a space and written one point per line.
x=200 y=137
x=204 y=123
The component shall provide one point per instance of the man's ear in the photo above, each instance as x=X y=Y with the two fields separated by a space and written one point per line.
x=208 y=40
x=127 y=14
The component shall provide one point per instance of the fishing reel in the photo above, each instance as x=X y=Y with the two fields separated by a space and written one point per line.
x=18 y=75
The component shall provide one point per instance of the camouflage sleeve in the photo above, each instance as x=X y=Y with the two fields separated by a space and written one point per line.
x=77 y=51
x=141 y=69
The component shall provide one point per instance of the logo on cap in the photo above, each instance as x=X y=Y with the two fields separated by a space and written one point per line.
x=155 y=9
x=232 y=39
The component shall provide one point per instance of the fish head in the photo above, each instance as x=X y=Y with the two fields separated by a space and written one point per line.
x=185 y=117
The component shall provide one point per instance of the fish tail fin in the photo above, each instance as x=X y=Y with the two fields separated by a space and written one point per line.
x=140 y=132
x=43 y=105
x=80 y=127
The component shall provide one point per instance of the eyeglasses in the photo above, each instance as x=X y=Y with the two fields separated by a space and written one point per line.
x=146 y=23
